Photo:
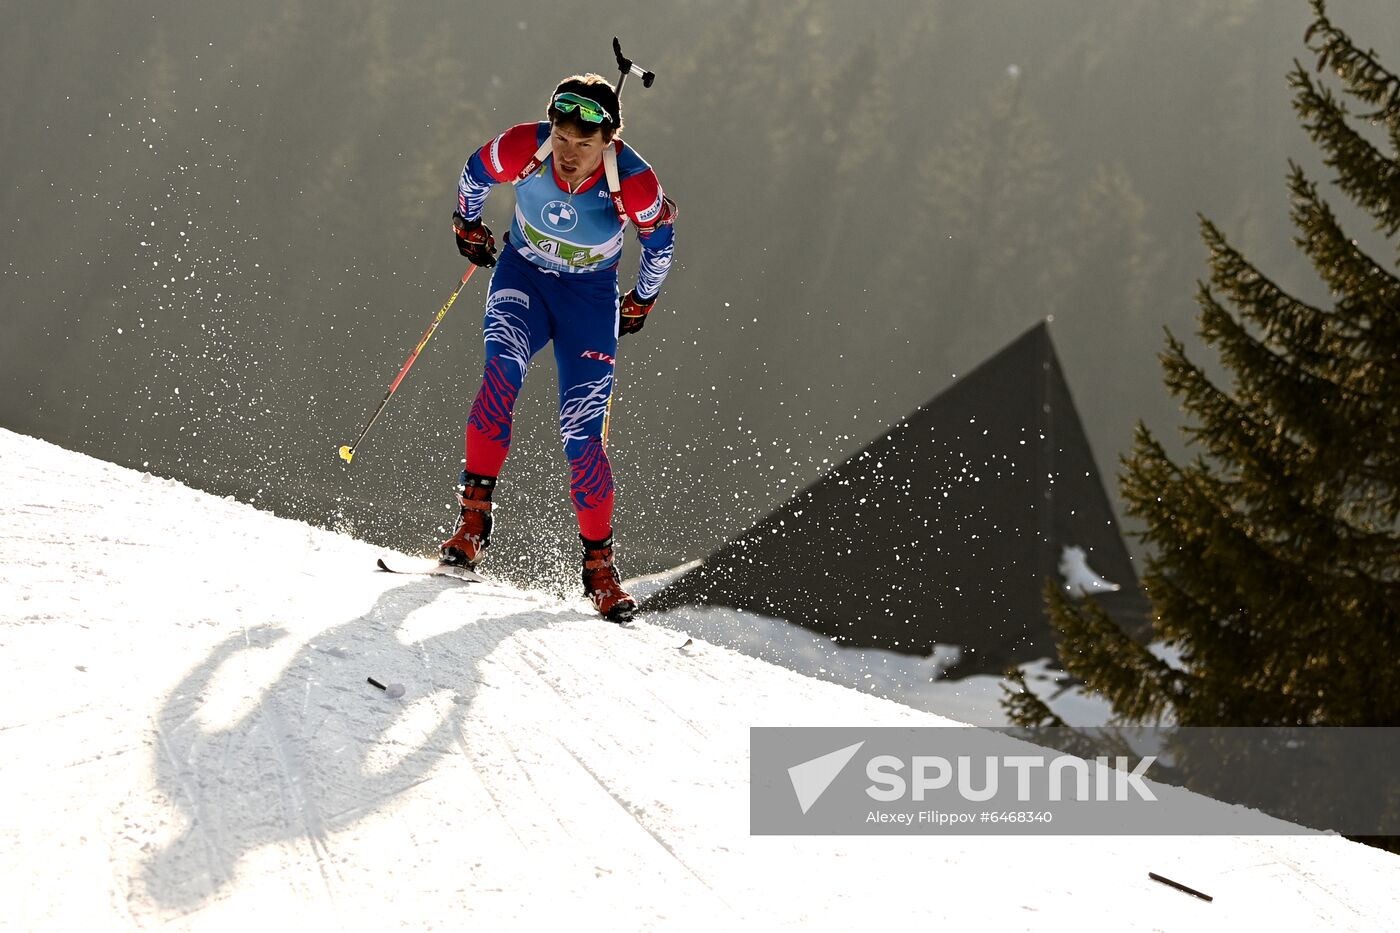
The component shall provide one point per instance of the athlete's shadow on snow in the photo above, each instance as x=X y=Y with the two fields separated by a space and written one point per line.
x=321 y=748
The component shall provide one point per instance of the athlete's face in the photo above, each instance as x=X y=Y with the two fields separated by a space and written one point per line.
x=576 y=155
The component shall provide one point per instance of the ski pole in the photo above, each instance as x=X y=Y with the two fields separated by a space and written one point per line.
x=629 y=67
x=347 y=453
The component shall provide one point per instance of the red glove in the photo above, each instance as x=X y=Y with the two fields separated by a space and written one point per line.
x=634 y=313
x=474 y=240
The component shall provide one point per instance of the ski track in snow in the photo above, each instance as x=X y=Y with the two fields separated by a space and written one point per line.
x=189 y=743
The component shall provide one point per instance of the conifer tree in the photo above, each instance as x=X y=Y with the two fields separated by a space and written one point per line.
x=1274 y=567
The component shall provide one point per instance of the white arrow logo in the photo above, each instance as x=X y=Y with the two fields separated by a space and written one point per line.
x=811 y=778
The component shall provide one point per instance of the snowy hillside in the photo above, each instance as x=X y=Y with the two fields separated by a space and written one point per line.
x=908 y=679
x=189 y=742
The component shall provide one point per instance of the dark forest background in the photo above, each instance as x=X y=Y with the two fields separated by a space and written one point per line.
x=226 y=225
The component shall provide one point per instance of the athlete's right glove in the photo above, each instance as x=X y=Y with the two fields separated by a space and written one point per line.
x=633 y=313
x=474 y=240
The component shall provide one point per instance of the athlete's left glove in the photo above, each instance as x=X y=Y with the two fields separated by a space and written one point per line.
x=634 y=313
x=474 y=240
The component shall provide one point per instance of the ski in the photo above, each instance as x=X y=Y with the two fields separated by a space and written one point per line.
x=431 y=568
x=427 y=567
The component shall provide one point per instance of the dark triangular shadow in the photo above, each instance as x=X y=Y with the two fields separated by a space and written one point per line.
x=942 y=531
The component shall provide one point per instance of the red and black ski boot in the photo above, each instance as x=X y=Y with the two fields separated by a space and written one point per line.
x=467 y=546
x=602 y=584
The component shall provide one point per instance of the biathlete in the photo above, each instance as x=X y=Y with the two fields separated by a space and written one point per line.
x=577 y=186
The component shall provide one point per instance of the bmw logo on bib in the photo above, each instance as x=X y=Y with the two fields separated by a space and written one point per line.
x=560 y=216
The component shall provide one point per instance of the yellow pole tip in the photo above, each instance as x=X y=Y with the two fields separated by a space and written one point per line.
x=347 y=454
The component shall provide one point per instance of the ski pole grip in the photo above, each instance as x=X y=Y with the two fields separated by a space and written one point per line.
x=627 y=66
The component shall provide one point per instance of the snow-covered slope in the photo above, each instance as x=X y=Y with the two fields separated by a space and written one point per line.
x=189 y=742
x=908 y=679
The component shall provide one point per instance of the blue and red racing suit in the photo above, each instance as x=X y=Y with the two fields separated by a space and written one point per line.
x=556 y=280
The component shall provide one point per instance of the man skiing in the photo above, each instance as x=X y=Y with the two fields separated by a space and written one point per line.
x=576 y=186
